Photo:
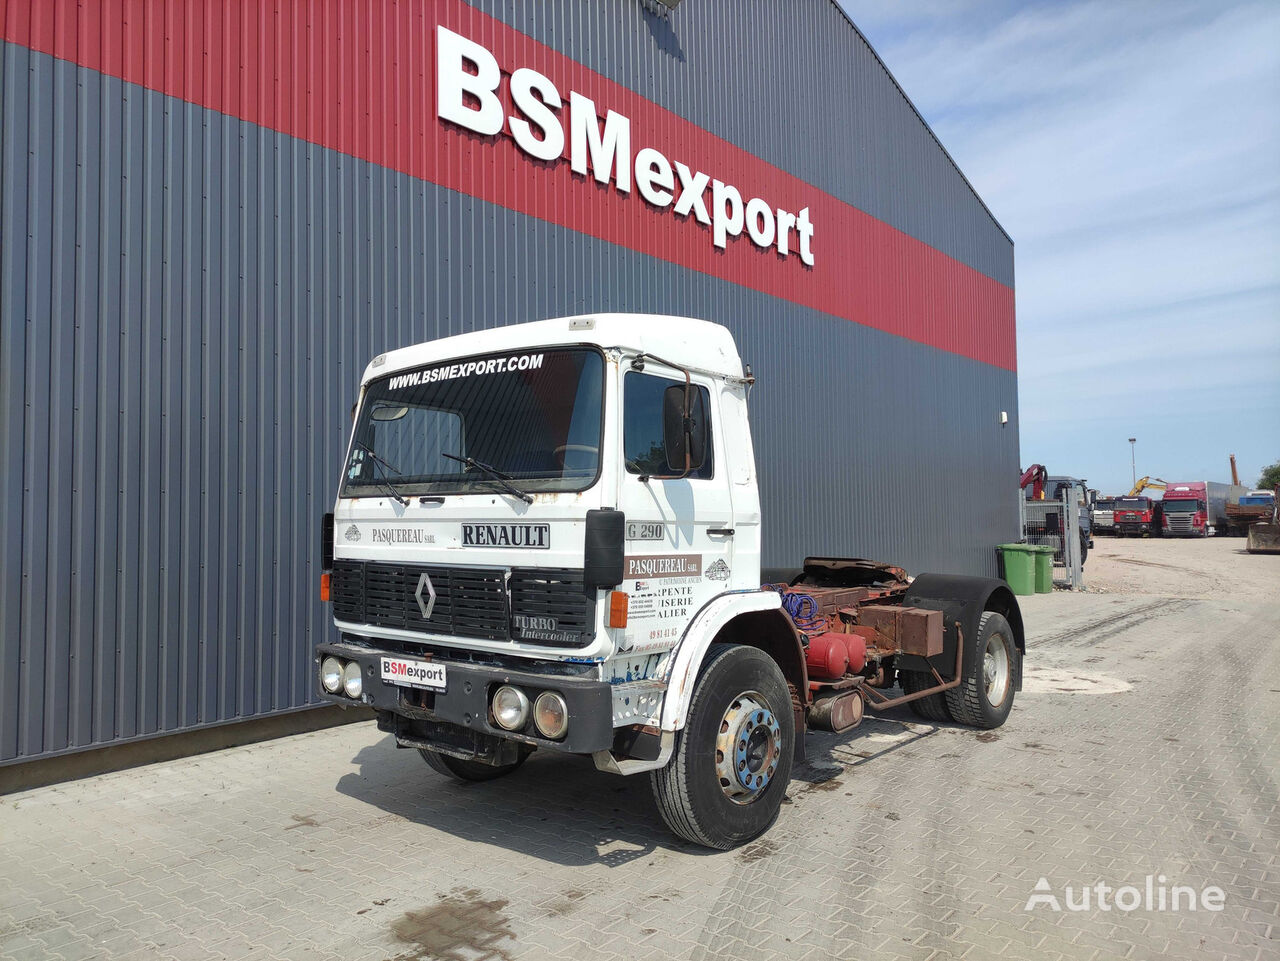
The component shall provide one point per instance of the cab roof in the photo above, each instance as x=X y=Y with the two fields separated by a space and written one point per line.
x=683 y=340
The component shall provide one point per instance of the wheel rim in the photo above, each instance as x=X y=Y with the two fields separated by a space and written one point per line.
x=747 y=748
x=995 y=669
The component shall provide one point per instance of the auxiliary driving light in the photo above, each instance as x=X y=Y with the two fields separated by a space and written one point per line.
x=331 y=674
x=510 y=707
x=352 y=682
x=551 y=715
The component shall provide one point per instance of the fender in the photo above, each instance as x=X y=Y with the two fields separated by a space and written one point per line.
x=686 y=656
x=964 y=599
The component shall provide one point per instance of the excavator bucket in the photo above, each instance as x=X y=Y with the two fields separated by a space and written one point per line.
x=1263 y=539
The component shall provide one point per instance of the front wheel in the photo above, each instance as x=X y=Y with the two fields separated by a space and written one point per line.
x=463 y=770
x=990 y=669
x=732 y=762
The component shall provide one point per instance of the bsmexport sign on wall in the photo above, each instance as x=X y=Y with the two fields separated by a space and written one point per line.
x=467 y=83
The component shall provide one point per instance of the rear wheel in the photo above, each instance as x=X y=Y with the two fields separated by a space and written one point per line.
x=990 y=668
x=732 y=762
x=462 y=770
x=931 y=708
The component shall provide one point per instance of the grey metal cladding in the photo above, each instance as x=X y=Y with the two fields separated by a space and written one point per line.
x=184 y=316
x=793 y=83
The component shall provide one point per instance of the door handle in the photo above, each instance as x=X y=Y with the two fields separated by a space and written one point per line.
x=726 y=531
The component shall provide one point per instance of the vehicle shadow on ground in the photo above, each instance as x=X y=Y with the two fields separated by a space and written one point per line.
x=555 y=807
x=829 y=756
x=561 y=809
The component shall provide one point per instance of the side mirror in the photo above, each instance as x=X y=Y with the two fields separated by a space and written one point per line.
x=684 y=434
x=604 y=555
x=326 y=542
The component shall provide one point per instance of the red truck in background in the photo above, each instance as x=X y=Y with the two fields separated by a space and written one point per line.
x=1134 y=515
x=1198 y=508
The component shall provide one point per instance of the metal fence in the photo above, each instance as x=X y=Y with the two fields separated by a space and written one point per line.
x=1057 y=523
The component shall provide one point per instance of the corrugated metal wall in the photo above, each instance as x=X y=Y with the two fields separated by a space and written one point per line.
x=187 y=300
x=795 y=85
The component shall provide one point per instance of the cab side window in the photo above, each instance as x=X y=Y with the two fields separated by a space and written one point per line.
x=642 y=425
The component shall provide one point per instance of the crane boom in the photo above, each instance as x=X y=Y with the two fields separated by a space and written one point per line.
x=1035 y=476
x=1153 y=483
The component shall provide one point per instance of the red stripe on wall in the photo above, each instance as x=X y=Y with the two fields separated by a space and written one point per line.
x=359 y=78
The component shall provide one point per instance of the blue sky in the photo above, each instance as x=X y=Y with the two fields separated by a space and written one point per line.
x=1132 y=150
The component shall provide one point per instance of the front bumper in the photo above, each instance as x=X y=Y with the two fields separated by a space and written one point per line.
x=465 y=701
x=1133 y=527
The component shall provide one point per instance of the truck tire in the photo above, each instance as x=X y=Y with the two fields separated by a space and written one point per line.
x=931 y=708
x=732 y=761
x=989 y=670
x=461 y=770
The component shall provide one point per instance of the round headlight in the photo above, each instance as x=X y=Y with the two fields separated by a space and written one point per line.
x=551 y=715
x=510 y=707
x=331 y=674
x=352 y=682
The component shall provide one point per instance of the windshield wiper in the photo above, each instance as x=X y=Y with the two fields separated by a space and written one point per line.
x=503 y=480
x=379 y=463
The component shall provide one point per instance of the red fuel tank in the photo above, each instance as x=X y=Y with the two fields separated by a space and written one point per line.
x=832 y=656
x=827 y=656
x=857 y=647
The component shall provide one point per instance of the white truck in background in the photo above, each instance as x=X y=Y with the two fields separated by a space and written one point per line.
x=1104 y=516
x=547 y=537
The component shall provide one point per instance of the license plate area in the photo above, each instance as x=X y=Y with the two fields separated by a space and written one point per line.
x=411 y=672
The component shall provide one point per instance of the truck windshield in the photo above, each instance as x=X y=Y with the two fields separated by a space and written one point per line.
x=533 y=418
x=1182 y=506
x=1133 y=504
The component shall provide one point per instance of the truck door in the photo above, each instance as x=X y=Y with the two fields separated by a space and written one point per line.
x=679 y=547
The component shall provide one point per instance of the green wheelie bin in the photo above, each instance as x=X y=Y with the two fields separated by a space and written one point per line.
x=1044 y=568
x=1019 y=566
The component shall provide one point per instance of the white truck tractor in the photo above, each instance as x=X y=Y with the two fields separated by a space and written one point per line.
x=547 y=537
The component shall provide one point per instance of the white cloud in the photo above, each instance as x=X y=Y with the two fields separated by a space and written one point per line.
x=1132 y=150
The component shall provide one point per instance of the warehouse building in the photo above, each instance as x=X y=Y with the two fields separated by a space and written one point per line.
x=212 y=215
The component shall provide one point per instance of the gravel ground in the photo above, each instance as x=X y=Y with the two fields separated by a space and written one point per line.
x=1145 y=743
x=1180 y=567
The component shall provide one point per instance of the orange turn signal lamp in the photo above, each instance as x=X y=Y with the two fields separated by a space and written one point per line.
x=324 y=587
x=618 y=602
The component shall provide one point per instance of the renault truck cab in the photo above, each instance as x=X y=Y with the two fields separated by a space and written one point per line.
x=548 y=537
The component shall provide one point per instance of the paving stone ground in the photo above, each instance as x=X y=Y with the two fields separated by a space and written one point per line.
x=1146 y=742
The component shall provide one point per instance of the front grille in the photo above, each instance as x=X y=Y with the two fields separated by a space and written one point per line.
x=470 y=602
x=551 y=606
x=556 y=596
x=1180 y=523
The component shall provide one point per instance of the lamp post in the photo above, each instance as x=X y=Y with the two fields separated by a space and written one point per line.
x=1133 y=463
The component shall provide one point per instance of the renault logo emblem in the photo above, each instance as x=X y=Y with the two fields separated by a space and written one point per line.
x=425 y=604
